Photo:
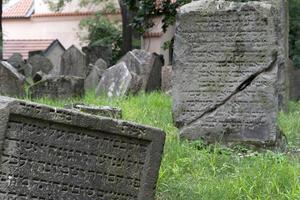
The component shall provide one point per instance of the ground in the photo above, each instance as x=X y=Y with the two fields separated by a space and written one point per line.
x=191 y=171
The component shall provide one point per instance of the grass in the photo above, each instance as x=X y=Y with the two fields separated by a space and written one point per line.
x=190 y=171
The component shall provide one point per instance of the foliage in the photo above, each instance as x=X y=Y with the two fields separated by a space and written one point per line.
x=145 y=10
x=190 y=171
x=103 y=32
x=294 y=6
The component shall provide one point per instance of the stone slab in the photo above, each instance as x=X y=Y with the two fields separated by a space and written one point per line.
x=166 y=78
x=73 y=63
x=105 y=111
x=58 y=87
x=11 y=81
x=116 y=81
x=229 y=71
x=147 y=66
x=51 y=153
x=16 y=60
x=40 y=63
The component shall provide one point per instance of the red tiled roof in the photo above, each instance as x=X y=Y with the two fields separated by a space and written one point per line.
x=18 y=10
x=24 y=46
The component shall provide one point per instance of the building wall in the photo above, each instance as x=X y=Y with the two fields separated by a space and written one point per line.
x=63 y=28
x=155 y=39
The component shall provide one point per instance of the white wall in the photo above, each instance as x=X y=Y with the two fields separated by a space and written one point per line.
x=63 y=28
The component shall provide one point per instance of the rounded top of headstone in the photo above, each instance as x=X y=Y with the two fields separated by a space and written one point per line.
x=16 y=60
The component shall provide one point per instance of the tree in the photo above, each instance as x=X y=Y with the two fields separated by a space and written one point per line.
x=126 y=18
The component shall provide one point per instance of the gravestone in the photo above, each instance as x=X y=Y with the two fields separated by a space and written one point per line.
x=93 y=78
x=16 y=60
x=166 y=79
x=40 y=63
x=38 y=76
x=11 y=81
x=94 y=52
x=73 y=63
x=145 y=65
x=115 y=82
x=51 y=153
x=101 y=64
x=58 y=87
x=229 y=71
x=105 y=111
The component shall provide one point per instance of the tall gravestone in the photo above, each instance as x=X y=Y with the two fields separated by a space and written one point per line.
x=73 y=63
x=50 y=153
x=230 y=70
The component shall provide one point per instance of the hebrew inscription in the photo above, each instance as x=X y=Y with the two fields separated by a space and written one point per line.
x=43 y=159
x=226 y=70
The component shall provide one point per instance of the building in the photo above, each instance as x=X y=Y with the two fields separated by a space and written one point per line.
x=31 y=21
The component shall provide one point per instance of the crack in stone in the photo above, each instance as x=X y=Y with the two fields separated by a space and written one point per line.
x=239 y=89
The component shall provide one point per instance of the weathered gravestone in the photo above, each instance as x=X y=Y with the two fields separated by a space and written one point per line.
x=147 y=66
x=73 y=63
x=229 y=73
x=166 y=79
x=94 y=52
x=115 y=82
x=105 y=111
x=58 y=87
x=93 y=78
x=50 y=153
x=40 y=63
x=11 y=81
x=16 y=60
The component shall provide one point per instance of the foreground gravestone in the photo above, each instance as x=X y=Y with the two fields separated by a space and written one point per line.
x=115 y=82
x=147 y=66
x=73 y=63
x=50 y=153
x=229 y=71
x=105 y=111
x=11 y=81
x=40 y=63
x=58 y=87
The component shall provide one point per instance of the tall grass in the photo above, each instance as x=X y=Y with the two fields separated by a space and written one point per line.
x=190 y=171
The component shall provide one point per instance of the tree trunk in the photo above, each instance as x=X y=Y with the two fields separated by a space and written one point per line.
x=126 y=28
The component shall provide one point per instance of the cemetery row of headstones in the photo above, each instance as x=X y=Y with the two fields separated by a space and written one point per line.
x=137 y=71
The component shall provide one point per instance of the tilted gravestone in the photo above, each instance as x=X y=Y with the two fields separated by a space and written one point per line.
x=73 y=63
x=58 y=87
x=229 y=73
x=50 y=153
x=146 y=66
x=11 y=81
x=40 y=63
x=115 y=82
